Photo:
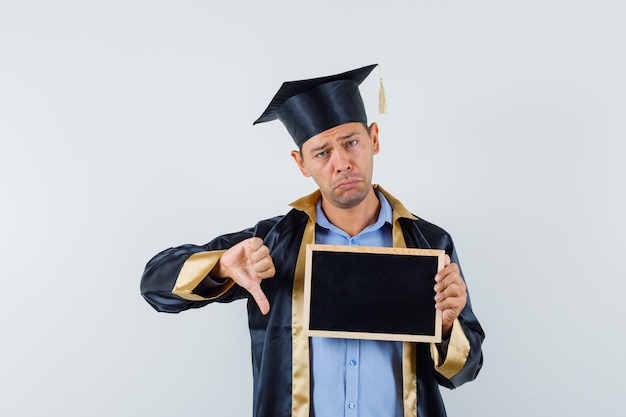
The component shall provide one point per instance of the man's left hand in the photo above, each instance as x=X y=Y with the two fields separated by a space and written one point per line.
x=451 y=294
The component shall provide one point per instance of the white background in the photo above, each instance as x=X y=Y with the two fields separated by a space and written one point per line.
x=126 y=128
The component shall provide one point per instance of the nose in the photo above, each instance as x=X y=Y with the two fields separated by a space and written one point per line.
x=342 y=162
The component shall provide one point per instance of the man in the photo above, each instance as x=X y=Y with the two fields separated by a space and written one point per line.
x=299 y=376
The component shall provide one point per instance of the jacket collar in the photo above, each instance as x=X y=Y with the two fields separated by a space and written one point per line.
x=307 y=204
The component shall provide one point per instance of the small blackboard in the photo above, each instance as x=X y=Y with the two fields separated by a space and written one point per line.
x=359 y=292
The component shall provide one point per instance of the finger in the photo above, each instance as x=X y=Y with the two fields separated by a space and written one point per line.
x=445 y=271
x=262 y=262
x=260 y=298
x=448 y=275
x=452 y=297
x=265 y=268
x=451 y=285
x=453 y=290
x=254 y=243
x=455 y=304
x=259 y=254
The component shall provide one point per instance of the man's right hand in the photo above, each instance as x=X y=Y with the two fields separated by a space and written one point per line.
x=248 y=263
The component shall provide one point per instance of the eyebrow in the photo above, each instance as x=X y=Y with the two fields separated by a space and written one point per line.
x=319 y=148
x=325 y=144
x=348 y=136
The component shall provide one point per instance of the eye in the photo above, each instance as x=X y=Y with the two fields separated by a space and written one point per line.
x=321 y=154
x=351 y=143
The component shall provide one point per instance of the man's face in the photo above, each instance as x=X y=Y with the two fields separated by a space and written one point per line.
x=340 y=160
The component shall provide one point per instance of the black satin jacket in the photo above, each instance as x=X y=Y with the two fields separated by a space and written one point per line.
x=271 y=335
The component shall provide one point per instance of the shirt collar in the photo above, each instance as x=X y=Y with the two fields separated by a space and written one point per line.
x=384 y=216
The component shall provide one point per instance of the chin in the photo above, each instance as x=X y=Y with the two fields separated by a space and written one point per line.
x=348 y=201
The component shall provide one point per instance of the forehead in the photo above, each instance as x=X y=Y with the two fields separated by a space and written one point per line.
x=335 y=134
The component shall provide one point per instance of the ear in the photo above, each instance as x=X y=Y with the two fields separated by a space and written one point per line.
x=298 y=158
x=374 y=137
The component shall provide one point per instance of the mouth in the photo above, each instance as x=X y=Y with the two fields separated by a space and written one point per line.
x=348 y=183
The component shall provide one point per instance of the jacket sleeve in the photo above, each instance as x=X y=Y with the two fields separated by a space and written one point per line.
x=464 y=357
x=177 y=278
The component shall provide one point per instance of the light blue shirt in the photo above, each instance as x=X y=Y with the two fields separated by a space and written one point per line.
x=356 y=378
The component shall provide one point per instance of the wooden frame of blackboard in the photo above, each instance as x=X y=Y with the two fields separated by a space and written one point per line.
x=362 y=292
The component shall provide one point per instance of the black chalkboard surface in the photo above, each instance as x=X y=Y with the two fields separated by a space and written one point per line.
x=372 y=293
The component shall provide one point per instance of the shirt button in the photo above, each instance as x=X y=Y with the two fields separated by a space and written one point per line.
x=351 y=405
x=352 y=362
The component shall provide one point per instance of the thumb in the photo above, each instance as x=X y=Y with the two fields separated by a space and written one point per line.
x=260 y=298
x=254 y=287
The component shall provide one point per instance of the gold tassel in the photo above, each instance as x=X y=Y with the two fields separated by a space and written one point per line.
x=382 y=99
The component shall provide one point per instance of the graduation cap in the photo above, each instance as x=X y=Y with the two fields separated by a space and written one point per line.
x=309 y=107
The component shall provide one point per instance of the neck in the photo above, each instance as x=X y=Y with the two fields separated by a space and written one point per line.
x=353 y=220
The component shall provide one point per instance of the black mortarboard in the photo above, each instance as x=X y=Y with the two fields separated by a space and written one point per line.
x=309 y=107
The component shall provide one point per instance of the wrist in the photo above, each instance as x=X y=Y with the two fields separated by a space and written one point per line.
x=219 y=272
